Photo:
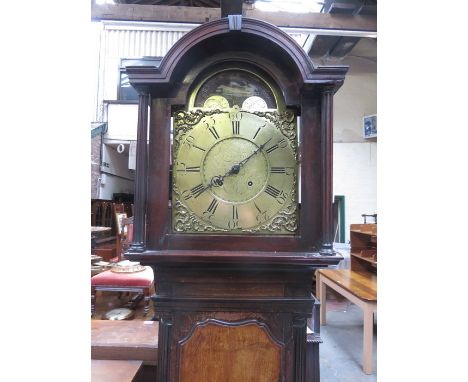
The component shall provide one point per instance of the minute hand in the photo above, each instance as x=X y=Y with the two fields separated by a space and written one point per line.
x=244 y=161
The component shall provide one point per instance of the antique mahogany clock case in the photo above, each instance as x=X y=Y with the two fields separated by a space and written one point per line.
x=233 y=199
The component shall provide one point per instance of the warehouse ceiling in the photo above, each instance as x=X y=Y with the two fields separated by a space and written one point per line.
x=324 y=46
x=185 y=3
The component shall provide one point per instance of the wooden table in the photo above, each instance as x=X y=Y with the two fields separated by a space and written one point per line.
x=98 y=231
x=114 y=371
x=125 y=340
x=360 y=288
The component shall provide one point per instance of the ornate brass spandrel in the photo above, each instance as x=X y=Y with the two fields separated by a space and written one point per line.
x=185 y=121
x=185 y=220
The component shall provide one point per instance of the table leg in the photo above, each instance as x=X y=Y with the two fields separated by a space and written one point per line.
x=322 y=296
x=368 y=339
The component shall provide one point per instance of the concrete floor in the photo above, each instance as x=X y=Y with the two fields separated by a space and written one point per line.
x=341 y=350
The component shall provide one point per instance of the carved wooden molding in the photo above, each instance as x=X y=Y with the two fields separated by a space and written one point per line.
x=165 y=326
x=252 y=29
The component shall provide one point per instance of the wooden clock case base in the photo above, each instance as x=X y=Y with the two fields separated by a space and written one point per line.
x=231 y=316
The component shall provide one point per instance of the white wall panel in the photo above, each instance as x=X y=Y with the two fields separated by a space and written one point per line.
x=122 y=122
x=355 y=177
x=355 y=99
x=115 y=163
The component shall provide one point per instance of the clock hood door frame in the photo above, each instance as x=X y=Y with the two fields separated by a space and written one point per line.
x=306 y=88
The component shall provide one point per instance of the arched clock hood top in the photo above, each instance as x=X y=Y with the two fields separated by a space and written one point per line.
x=264 y=40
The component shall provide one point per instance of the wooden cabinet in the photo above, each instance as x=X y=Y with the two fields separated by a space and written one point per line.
x=364 y=247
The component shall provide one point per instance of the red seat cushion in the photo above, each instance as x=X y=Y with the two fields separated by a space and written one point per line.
x=137 y=279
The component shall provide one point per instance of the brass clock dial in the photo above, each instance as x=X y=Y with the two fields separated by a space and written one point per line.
x=235 y=171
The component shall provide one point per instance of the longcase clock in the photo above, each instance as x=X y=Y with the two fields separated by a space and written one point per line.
x=233 y=200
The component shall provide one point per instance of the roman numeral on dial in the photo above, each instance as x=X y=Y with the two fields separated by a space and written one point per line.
x=214 y=132
x=272 y=148
x=256 y=133
x=281 y=144
x=192 y=169
x=234 y=222
x=212 y=207
x=235 y=127
x=199 y=148
x=278 y=170
x=272 y=191
x=235 y=214
x=197 y=190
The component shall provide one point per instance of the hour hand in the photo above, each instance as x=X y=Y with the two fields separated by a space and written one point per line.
x=218 y=180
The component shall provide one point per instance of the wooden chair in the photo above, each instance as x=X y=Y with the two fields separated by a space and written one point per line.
x=109 y=281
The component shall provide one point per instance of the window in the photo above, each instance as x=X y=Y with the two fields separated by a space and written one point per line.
x=125 y=91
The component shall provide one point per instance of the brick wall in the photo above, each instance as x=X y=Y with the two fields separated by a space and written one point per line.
x=95 y=164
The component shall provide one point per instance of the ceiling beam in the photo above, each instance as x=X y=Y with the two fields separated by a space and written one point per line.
x=163 y=13
x=316 y=20
x=180 y=14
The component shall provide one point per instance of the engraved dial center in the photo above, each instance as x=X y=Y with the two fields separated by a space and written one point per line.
x=235 y=179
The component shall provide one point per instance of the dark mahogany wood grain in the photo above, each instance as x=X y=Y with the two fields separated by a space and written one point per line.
x=312 y=259
x=247 y=349
x=327 y=170
x=139 y=222
x=276 y=297
x=158 y=213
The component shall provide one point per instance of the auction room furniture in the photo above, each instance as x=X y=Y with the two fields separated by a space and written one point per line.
x=127 y=340
x=360 y=288
x=114 y=371
x=364 y=247
x=217 y=209
x=101 y=213
x=358 y=284
x=112 y=281
x=135 y=282
x=103 y=243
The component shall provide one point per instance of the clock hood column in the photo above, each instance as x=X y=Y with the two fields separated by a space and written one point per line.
x=327 y=170
x=139 y=219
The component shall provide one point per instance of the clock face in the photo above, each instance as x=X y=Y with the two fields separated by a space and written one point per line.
x=234 y=171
